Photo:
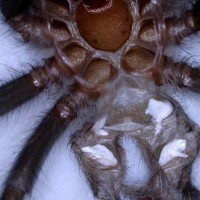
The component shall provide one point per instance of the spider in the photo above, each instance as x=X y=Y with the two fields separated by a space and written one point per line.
x=109 y=61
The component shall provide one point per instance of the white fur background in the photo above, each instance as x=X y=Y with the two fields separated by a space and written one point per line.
x=60 y=177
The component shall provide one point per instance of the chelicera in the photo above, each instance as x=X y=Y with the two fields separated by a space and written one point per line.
x=102 y=47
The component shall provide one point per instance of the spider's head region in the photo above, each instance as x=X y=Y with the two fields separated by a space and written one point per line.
x=106 y=24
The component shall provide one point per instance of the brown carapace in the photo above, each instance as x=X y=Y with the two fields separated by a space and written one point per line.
x=103 y=48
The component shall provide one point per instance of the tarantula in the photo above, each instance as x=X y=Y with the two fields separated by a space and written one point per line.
x=109 y=60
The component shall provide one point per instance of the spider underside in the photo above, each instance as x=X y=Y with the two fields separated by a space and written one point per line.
x=111 y=55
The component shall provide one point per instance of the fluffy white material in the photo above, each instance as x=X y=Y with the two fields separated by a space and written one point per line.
x=159 y=110
x=101 y=154
x=173 y=149
x=97 y=128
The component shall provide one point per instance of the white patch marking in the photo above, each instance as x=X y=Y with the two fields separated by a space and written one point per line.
x=173 y=149
x=101 y=154
x=159 y=110
x=97 y=128
x=101 y=132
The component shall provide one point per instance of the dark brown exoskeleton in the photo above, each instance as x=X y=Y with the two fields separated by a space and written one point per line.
x=101 y=46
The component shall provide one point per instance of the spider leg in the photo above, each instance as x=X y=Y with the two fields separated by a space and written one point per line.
x=25 y=170
x=178 y=74
x=24 y=88
x=16 y=93
x=166 y=72
x=187 y=25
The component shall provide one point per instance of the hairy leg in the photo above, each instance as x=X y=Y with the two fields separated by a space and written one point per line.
x=27 y=166
x=24 y=88
x=166 y=72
